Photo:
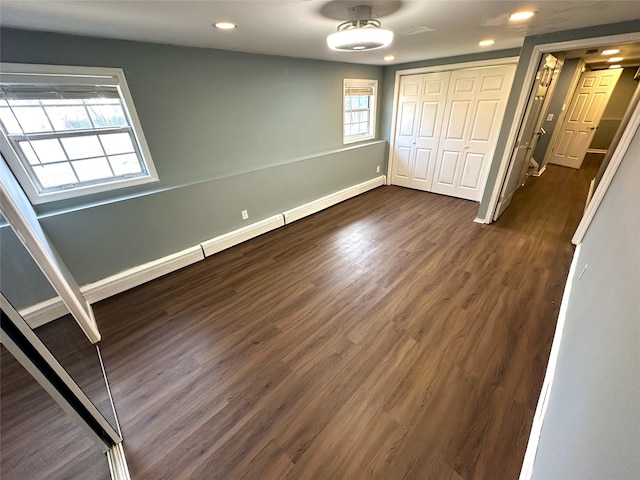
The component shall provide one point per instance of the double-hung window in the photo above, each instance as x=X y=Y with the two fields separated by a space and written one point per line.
x=359 y=110
x=70 y=131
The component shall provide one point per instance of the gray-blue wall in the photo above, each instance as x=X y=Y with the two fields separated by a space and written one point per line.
x=592 y=425
x=227 y=132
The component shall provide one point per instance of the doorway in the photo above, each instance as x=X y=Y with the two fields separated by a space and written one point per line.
x=589 y=55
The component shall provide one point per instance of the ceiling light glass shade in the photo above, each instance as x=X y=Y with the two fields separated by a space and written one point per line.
x=359 y=39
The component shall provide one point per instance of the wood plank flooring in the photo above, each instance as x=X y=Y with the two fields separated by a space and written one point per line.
x=388 y=337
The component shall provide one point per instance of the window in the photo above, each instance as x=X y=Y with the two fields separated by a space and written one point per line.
x=359 y=110
x=70 y=131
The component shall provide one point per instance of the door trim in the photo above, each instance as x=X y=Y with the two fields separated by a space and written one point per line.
x=534 y=61
x=616 y=159
x=447 y=67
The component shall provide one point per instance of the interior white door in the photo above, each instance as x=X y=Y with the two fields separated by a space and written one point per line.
x=583 y=115
x=476 y=101
x=419 y=122
x=528 y=135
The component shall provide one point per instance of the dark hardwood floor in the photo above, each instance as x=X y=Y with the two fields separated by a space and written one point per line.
x=388 y=337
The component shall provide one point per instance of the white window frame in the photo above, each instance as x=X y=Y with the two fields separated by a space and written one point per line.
x=70 y=75
x=371 y=134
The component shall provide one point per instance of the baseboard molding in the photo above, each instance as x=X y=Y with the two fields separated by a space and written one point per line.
x=539 y=172
x=597 y=150
x=49 y=310
x=44 y=312
x=243 y=234
x=330 y=200
x=479 y=220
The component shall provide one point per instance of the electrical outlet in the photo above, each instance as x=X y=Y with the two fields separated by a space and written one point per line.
x=378 y=169
x=245 y=214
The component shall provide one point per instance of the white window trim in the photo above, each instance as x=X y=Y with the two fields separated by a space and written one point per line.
x=373 y=110
x=36 y=197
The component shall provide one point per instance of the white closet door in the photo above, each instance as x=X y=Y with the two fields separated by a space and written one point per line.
x=406 y=129
x=418 y=128
x=473 y=116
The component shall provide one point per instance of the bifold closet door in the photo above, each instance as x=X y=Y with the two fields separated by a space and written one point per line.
x=476 y=101
x=419 y=122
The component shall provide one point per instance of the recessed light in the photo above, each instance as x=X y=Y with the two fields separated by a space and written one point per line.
x=486 y=43
x=615 y=66
x=225 y=25
x=519 y=16
x=388 y=58
x=615 y=59
x=612 y=51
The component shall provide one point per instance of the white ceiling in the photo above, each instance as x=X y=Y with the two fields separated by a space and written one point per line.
x=298 y=28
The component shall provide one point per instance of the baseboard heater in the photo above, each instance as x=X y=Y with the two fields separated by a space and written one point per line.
x=52 y=309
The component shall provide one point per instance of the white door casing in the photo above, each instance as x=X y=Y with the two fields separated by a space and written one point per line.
x=476 y=101
x=584 y=112
x=419 y=121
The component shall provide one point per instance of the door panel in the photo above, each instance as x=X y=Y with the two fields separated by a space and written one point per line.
x=472 y=170
x=407 y=119
x=423 y=156
x=403 y=161
x=484 y=121
x=447 y=171
x=421 y=107
x=475 y=105
x=428 y=120
x=458 y=117
x=584 y=113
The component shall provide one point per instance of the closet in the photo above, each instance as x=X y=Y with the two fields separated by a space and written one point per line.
x=446 y=128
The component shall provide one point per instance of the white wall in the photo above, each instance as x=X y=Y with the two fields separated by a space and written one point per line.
x=592 y=426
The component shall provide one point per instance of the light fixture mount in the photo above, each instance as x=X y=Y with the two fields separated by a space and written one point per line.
x=360 y=33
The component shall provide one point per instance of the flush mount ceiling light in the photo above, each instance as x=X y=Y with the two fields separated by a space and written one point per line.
x=615 y=59
x=520 y=16
x=611 y=51
x=360 y=33
x=388 y=58
x=615 y=66
x=225 y=25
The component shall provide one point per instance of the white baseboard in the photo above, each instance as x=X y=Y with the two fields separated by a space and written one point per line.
x=540 y=172
x=479 y=220
x=222 y=242
x=118 y=283
x=44 y=312
x=330 y=200
x=48 y=310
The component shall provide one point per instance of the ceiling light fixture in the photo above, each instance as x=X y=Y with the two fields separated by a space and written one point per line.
x=611 y=51
x=360 y=33
x=388 y=58
x=520 y=16
x=486 y=43
x=615 y=66
x=225 y=25
x=615 y=59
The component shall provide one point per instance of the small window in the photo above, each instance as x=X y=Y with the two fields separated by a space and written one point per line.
x=359 y=110
x=70 y=131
